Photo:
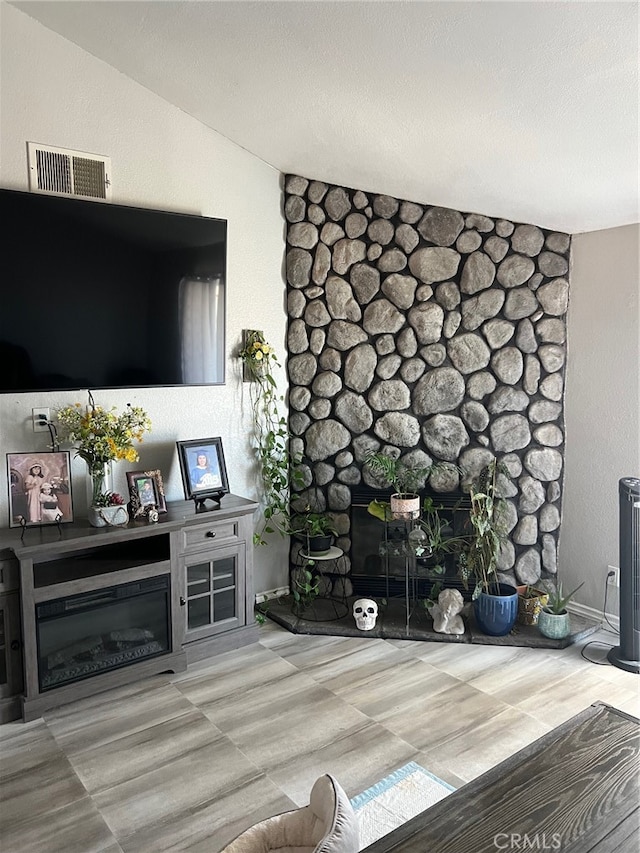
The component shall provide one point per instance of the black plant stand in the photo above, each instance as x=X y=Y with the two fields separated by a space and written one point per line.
x=324 y=608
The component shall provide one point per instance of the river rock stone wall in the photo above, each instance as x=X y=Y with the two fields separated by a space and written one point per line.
x=438 y=334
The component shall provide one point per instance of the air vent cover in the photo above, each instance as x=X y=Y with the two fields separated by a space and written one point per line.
x=65 y=172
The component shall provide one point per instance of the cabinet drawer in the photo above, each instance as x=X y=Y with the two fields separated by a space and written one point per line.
x=9 y=574
x=205 y=535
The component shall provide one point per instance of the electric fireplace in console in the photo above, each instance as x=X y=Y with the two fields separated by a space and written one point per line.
x=94 y=632
x=101 y=608
x=95 y=609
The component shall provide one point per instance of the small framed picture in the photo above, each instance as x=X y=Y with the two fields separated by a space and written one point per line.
x=39 y=488
x=146 y=492
x=204 y=473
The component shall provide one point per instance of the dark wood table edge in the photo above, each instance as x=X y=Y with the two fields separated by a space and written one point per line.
x=415 y=825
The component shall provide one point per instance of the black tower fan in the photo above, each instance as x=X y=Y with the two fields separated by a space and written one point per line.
x=627 y=655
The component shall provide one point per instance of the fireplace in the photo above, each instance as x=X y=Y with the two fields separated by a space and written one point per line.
x=380 y=551
x=100 y=630
x=98 y=609
x=433 y=334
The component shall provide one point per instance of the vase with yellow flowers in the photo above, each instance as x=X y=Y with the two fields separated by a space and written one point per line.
x=102 y=436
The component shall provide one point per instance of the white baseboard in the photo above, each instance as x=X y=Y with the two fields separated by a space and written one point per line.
x=608 y=620
x=271 y=593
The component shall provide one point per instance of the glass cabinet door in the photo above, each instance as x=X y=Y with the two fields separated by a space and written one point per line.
x=215 y=598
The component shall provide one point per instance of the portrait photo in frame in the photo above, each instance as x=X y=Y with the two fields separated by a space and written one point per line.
x=39 y=488
x=204 y=473
x=146 y=491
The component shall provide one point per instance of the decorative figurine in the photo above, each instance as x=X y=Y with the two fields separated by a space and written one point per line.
x=446 y=613
x=365 y=612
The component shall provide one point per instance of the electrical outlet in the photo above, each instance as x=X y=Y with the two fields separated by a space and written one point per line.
x=40 y=419
x=613 y=576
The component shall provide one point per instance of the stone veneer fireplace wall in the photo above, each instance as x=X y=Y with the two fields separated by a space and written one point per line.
x=437 y=333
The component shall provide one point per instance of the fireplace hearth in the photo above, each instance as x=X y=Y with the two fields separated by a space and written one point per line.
x=392 y=624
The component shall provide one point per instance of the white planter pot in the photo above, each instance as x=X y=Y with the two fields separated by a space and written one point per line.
x=108 y=516
x=405 y=507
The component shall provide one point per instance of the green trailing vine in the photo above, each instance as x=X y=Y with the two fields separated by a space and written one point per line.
x=271 y=436
x=306 y=588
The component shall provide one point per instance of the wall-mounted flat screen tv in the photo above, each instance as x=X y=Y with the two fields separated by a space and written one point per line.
x=101 y=295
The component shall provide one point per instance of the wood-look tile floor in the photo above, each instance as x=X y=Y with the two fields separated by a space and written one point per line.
x=186 y=762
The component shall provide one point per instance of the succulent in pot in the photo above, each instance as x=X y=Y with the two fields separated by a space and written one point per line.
x=108 y=510
x=553 y=621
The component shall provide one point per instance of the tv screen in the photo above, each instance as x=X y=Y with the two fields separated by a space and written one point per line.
x=101 y=295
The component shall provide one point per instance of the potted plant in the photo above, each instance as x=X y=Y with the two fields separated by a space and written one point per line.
x=405 y=480
x=530 y=602
x=271 y=438
x=108 y=510
x=317 y=529
x=437 y=537
x=495 y=604
x=553 y=621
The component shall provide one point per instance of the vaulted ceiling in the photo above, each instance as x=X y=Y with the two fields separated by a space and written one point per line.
x=521 y=110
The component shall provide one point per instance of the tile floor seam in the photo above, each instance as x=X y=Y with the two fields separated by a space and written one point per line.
x=202 y=804
x=341 y=736
x=380 y=746
x=87 y=795
x=147 y=772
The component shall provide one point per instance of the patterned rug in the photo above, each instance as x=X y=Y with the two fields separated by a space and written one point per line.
x=395 y=799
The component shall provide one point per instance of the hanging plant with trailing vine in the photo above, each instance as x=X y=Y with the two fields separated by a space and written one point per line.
x=271 y=435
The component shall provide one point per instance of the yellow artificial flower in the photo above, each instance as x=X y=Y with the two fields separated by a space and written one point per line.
x=103 y=436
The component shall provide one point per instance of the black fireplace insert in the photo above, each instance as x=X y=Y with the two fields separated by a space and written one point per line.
x=93 y=632
x=380 y=550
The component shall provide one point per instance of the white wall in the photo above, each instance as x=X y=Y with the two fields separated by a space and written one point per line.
x=53 y=93
x=602 y=405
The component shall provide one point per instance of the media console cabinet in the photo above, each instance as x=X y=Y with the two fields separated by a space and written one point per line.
x=84 y=609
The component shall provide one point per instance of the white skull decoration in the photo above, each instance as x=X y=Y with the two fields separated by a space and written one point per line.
x=365 y=612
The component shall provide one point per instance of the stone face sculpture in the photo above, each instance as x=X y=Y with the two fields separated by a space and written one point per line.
x=446 y=613
x=365 y=612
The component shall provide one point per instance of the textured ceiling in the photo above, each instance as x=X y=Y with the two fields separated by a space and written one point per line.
x=527 y=111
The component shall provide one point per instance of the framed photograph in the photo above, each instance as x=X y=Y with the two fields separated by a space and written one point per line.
x=146 y=491
x=39 y=488
x=204 y=473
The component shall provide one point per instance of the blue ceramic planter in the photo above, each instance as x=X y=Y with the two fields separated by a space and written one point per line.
x=496 y=614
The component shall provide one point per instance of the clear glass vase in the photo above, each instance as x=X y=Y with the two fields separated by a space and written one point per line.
x=100 y=482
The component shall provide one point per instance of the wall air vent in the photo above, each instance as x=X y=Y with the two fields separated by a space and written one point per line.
x=64 y=172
